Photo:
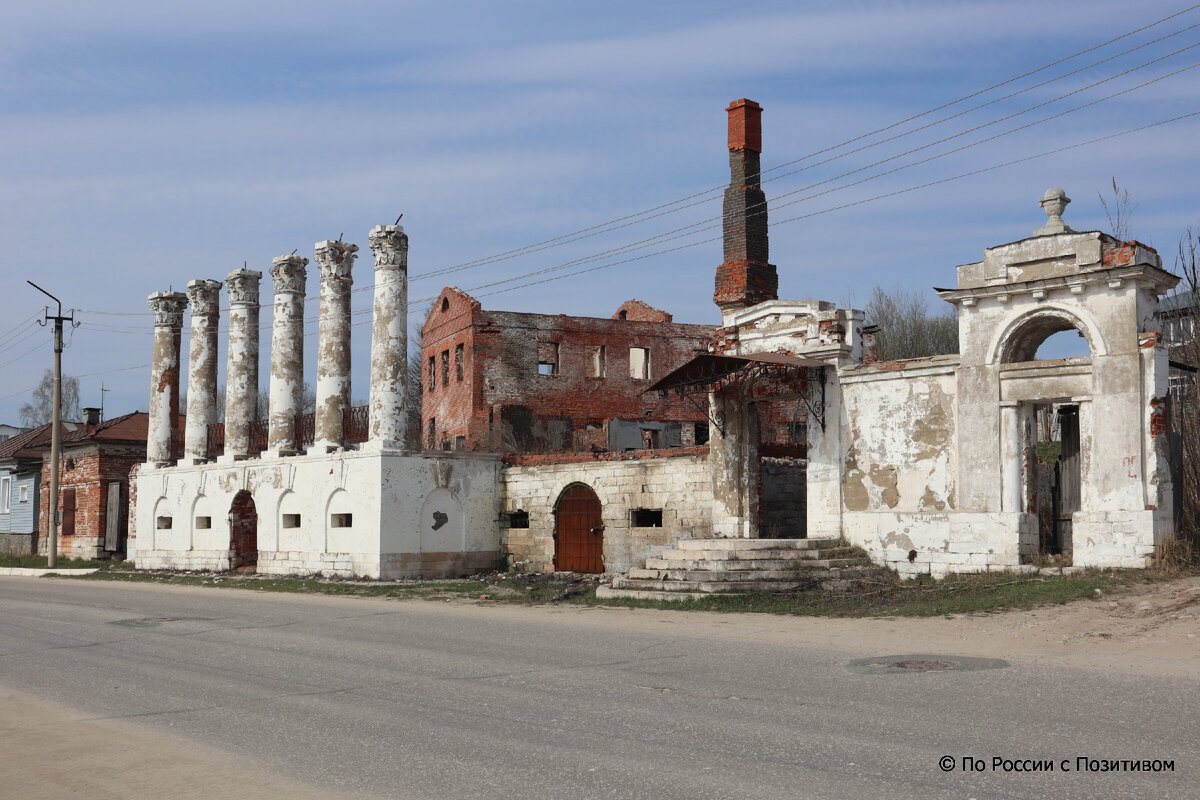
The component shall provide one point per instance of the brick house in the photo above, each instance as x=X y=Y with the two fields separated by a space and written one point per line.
x=93 y=483
x=502 y=381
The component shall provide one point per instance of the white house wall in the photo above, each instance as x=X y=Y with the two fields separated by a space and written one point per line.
x=392 y=500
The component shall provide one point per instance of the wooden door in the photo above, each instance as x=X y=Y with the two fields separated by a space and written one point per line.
x=578 y=531
x=68 y=512
x=113 y=527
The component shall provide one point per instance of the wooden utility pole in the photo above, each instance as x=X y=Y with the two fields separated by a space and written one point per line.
x=55 y=423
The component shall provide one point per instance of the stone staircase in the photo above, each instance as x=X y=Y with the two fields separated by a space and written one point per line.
x=700 y=567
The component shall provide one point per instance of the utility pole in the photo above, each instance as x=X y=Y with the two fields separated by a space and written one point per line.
x=55 y=422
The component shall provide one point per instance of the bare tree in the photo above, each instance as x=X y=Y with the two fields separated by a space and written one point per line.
x=907 y=329
x=416 y=384
x=1119 y=209
x=1181 y=312
x=41 y=406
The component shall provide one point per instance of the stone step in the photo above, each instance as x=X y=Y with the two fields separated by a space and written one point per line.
x=715 y=554
x=702 y=561
x=712 y=587
x=748 y=564
x=608 y=592
x=707 y=576
x=754 y=544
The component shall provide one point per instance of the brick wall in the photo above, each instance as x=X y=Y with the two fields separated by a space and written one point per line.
x=87 y=470
x=505 y=403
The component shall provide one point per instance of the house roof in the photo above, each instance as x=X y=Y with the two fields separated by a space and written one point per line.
x=1179 y=301
x=28 y=444
x=132 y=427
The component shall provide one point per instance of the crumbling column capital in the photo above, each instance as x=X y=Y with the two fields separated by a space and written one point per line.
x=289 y=274
x=203 y=297
x=336 y=259
x=242 y=285
x=168 y=308
x=390 y=245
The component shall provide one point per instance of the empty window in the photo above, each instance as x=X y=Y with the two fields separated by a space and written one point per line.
x=446 y=444
x=518 y=519
x=203 y=523
x=623 y=314
x=432 y=375
x=24 y=494
x=650 y=439
x=5 y=488
x=458 y=361
x=445 y=304
x=639 y=363
x=163 y=523
x=291 y=520
x=598 y=362
x=341 y=520
x=645 y=517
x=432 y=432
x=445 y=367
x=547 y=358
x=460 y=443
x=701 y=433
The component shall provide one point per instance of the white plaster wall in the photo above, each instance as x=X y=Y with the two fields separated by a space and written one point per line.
x=385 y=494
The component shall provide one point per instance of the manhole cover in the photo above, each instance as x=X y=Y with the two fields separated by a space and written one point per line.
x=890 y=665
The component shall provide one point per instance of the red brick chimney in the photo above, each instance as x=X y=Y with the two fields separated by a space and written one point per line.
x=745 y=277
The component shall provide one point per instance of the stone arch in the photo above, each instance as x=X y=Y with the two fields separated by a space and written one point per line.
x=1019 y=338
x=202 y=521
x=292 y=529
x=243 y=531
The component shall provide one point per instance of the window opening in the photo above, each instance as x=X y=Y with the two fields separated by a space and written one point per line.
x=547 y=358
x=518 y=519
x=445 y=367
x=163 y=523
x=203 y=523
x=645 y=517
x=432 y=375
x=341 y=520
x=291 y=520
x=701 y=433
x=598 y=355
x=458 y=361
x=639 y=363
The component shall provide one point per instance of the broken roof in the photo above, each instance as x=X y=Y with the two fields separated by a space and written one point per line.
x=708 y=369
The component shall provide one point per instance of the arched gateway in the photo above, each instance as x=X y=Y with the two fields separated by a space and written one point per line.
x=243 y=532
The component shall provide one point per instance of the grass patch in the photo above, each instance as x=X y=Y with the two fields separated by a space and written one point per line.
x=882 y=595
x=41 y=562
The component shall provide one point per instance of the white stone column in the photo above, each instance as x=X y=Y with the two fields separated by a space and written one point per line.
x=162 y=434
x=204 y=297
x=336 y=259
x=389 y=337
x=287 y=354
x=241 y=368
x=1011 y=455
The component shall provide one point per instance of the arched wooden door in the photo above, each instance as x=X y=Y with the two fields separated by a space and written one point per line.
x=243 y=532
x=578 y=531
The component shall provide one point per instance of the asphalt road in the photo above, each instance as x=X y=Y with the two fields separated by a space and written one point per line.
x=422 y=699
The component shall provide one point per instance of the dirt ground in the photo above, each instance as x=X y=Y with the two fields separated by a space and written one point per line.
x=52 y=752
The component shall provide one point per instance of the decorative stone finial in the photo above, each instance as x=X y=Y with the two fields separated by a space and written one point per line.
x=1053 y=202
x=390 y=245
x=168 y=308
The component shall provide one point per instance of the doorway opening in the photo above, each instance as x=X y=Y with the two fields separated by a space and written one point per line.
x=1056 y=487
x=578 y=531
x=243 y=532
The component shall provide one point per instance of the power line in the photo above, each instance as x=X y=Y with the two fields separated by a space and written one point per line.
x=576 y=235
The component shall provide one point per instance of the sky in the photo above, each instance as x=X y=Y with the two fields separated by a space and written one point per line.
x=146 y=144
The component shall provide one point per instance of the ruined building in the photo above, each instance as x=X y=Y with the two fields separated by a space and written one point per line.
x=501 y=381
x=930 y=465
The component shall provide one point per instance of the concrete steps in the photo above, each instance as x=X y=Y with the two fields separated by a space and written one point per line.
x=700 y=567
